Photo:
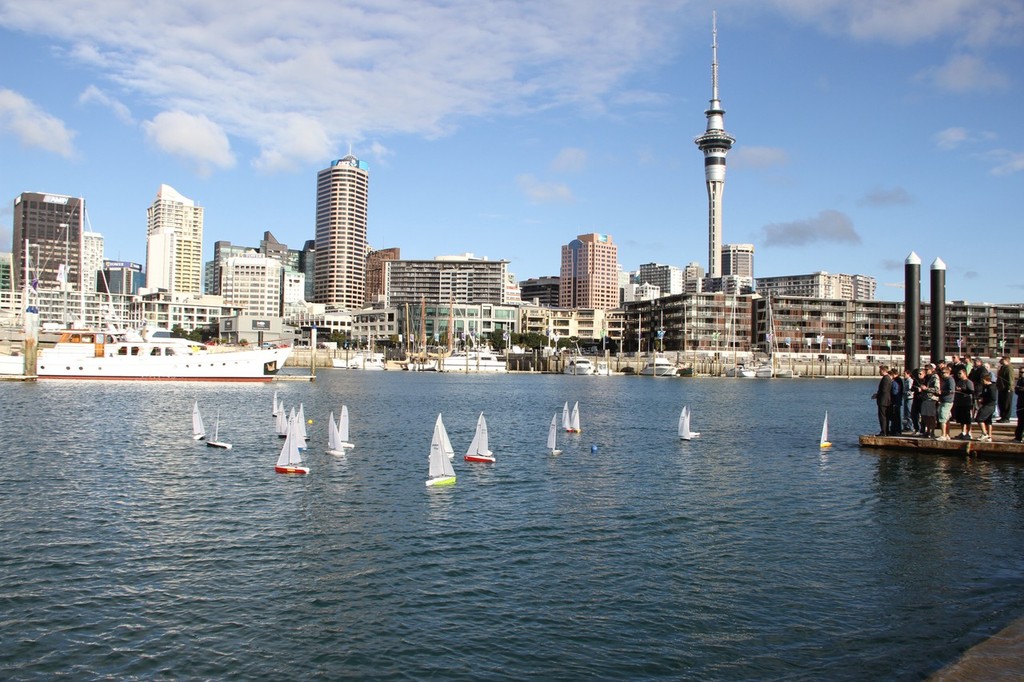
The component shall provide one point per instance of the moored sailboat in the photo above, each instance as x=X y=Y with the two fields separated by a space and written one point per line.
x=573 y=425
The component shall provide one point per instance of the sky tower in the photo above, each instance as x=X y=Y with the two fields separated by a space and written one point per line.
x=715 y=143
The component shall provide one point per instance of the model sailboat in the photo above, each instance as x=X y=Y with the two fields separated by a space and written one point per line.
x=290 y=460
x=215 y=442
x=277 y=406
x=440 y=471
x=198 y=430
x=343 y=440
x=823 y=443
x=446 y=444
x=553 y=435
x=281 y=422
x=478 y=450
x=684 y=425
x=574 y=419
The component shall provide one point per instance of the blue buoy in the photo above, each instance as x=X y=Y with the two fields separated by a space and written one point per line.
x=593 y=448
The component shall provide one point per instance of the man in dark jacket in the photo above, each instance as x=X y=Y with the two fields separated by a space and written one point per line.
x=883 y=398
x=1004 y=382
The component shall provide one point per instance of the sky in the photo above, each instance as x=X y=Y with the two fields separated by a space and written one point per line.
x=864 y=130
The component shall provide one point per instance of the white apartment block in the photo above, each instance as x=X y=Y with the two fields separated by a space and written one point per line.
x=820 y=285
x=252 y=283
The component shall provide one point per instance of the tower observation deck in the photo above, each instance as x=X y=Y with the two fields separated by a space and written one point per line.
x=715 y=143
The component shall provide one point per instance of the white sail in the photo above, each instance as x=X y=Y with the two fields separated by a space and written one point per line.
x=439 y=465
x=824 y=433
x=276 y=407
x=281 y=422
x=566 y=424
x=290 y=455
x=198 y=430
x=553 y=434
x=684 y=424
x=479 y=446
x=343 y=425
x=303 y=437
x=333 y=441
x=574 y=420
x=446 y=444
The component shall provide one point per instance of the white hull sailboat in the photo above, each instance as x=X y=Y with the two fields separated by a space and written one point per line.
x=824 y=443
x=571 y=422
x=290 y=459
x=343 y=440
x=198 y=430
x=553 y=435
x=478 y=449
x=684 y=425
x=281 y=422
x=215 y=442
x=440 y=471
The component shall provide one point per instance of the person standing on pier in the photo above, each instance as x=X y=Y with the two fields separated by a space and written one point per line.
x=947 y=389
x=883 y=399
x=1018 y=435
x=909 y=379
x=917 y=390
x=963 y=403
x=1004 y=377
x=986 y=407
x=929 y=401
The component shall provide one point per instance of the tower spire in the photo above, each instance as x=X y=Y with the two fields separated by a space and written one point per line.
x=715 y=144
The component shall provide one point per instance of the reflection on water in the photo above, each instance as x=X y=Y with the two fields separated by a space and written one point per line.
x=131 y=550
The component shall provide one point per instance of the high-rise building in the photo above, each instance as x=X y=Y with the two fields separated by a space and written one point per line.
x=738 y=260
x=92 y=258
x=542 y=291
x=120 y=277
x=174 y=243
x=342 y=192
x=52 y=224
x=715 y=143
x=375 y=272
x=589 y=275
x=668 y=278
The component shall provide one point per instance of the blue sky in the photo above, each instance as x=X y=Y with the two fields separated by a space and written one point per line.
x=864 y=129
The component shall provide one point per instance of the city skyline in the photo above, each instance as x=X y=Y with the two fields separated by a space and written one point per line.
x=864 y=132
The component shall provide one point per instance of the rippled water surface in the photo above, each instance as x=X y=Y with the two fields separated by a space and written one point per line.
x=128 y=550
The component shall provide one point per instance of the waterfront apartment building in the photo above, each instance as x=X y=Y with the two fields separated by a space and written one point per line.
x=589 y=325
x=375 y=290
x=589 y=275
x=667 y=278
x=92 y=259
x=174 y=243
x=819 y=285
x=53 y=226
x=252 y=283
x=463 y=279
x=342 y=195
x=738 y=260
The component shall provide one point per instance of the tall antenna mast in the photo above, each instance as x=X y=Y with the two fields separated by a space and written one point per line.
x=714 y=56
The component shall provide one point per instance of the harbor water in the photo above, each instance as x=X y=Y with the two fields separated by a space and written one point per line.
x=132 y=551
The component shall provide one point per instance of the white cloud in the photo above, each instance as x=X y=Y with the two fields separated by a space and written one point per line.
x=967 y=22
x=950 y=138
x=290 y=76
x=827 y=227
x=570 y=160
x=965 y=73
x=544 y=192
x=757 y=157
x=93 y=95
x=194 y=138
x=1008 y=161
x=32 y=126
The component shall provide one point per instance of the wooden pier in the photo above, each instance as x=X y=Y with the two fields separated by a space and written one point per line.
x=1001 y=445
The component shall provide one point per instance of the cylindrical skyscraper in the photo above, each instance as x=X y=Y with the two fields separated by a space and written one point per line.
x=715 y=143
x=912 y=311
